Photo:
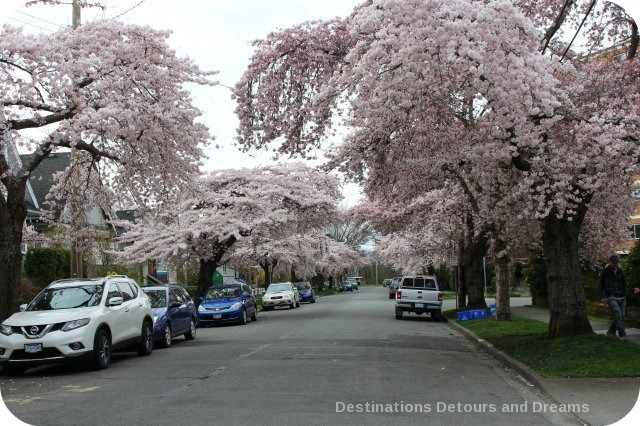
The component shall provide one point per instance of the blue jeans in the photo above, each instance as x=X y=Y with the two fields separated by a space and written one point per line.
x=617 y=306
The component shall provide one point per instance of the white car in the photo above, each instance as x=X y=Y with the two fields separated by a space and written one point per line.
x=280 y=294
x=75 y=319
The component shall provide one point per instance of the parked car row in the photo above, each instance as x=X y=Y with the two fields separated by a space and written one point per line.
x=88 y=318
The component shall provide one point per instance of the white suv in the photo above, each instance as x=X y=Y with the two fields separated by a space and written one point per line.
x=78 y=318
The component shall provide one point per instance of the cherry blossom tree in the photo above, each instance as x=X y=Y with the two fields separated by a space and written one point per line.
x=457 y=90
x=113 y=93
x=262 y=205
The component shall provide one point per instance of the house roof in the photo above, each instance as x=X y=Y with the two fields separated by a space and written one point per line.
x=41 y=179
x=128 y=215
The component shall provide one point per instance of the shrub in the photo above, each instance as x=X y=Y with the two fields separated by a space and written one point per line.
x=44 y=265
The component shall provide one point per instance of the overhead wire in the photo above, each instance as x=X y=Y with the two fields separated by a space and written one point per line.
x=128 y=10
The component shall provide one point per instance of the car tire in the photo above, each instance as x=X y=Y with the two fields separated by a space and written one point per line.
x=243 y=319
x=390 y=295
x=292 y=305
x=191 y=334
x=254 y=317
x=298 y=303
x=313 y=300
x=145 y=346
x=398 y=314
x=436 y=315
x=101 y=350
x=166 y=334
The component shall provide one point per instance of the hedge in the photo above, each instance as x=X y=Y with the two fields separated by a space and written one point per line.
x=44 y=265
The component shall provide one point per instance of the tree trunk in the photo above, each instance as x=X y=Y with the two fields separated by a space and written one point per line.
x=633 y=44
x=503 y=308
x=471 y=276
x=208 y=267
x=205 y=276
x=294 y=278
x=267 y=267
x=12 y=217
x=568 y=314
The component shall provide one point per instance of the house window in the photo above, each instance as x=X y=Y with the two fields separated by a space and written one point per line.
x=635 y=231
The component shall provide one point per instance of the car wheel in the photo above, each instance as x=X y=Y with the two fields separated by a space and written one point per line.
x=436 y=315
x=298 y=303
x=101 y=350
x=166 y=341
x=313 y=300
x=145 y=347
x=390 y=295
x=254 y=317
x=243 y=320
x=191 y=334
x=398 y=314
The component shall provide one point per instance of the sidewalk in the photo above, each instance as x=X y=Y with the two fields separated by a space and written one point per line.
x=609 y=399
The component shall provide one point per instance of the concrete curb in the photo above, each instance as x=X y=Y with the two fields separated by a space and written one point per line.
x=526 y=372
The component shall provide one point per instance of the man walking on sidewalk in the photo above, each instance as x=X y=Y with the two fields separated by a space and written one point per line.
x=614 y=290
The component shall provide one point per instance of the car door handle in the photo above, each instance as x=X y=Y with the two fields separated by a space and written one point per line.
x=126 y=310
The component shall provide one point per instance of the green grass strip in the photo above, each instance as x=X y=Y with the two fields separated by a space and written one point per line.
x=591 y=355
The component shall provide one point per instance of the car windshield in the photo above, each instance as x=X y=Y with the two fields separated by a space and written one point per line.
x=278 y=287
x=223 y=292
x=303 y=286
x=158 y=298
x=67 y=298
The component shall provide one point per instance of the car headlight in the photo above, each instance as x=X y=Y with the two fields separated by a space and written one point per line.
x=236 y=305
x=155 y=319
x=6 y=330
x=201 y=308
x=71 y=325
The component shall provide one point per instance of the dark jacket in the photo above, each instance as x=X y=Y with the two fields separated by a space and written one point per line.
x=612 y=283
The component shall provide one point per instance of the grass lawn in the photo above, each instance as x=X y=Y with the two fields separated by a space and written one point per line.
x=590 y=355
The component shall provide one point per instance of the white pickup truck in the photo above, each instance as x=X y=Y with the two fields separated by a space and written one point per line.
x=419 y=294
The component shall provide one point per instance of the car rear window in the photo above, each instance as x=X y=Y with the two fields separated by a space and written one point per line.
x=419 y=282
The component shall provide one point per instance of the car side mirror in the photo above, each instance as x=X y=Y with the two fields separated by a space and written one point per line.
x=175 y=305
x=115 y=301
x=23 y=307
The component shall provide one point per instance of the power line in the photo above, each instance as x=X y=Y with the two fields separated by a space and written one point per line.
x=39 y=19
x=129 y=10
x=33 y=25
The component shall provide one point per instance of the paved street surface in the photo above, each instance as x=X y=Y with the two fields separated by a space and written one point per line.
x=342 y=360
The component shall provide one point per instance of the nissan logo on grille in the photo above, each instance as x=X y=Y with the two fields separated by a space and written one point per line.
x=34 y=330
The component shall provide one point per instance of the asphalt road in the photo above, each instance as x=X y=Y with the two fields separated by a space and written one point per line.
x=342 y=360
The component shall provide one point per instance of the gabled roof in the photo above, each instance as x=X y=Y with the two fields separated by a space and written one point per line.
x=128 y=215
x=41 y=178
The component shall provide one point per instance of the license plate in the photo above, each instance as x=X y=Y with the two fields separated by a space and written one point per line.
x=419 y=305
x=33 y=348
x=217 y=316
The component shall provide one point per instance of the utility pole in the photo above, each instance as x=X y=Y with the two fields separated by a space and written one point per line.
x=75 y=14
x=76 y=267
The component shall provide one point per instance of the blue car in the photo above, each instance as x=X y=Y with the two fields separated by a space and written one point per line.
x=306 y=292
x=174 y=313
x=227 y=303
